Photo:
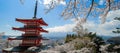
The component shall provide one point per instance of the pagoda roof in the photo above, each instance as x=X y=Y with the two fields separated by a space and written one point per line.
x=40 y=21
x=15 y=49
x=23 y=29
x=25 y=37
x=19 y=49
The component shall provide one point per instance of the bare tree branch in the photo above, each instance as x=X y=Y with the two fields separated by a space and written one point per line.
x=90 y=8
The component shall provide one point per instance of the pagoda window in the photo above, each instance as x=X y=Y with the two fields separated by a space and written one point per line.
x=28 y=42
x=38 y=32
x=30 y=32
x=37 y=41
x=29 y=23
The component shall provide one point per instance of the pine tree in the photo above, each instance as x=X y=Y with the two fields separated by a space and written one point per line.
x=67 y=38
x=117 y=31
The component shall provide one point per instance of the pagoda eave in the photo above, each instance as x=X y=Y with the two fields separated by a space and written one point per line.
x=24 y=29
x=16 y=49
x=25 y=38
x=29 y=44
x=39 y=21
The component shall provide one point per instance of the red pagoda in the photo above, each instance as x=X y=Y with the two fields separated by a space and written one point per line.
x=31 y=37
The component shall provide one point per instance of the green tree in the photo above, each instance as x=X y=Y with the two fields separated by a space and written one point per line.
x=117 y=31
x=70 y=37
x=67 y=38
x=98 y=41
x=73 y=36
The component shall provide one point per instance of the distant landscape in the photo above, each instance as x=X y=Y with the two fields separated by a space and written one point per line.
x=60 y=26
x=57 y=37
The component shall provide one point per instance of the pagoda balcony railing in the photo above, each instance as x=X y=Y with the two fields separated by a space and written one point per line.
x=29 y=38
x=29 y=44
x=32 y=26
x=30 y=34
x=27 y=27
x=30 y=29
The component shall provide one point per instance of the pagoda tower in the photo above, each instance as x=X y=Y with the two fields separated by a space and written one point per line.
x=32 y=34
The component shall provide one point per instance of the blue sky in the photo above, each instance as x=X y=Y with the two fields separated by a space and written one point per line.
x=11 y=9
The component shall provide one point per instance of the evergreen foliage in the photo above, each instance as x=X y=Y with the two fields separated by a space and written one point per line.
x=115 y=40
x=70 y=37
x=90 y=36
x=117 y=28
x=79 y=46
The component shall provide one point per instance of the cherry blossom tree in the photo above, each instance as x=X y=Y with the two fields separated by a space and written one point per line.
x=83 y=9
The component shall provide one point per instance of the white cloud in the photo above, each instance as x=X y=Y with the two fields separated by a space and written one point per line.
x=101 y=2
x=107 y=27
x=64 y=28
x=101 y=29
x=46 y=2
x=113 y=14
x=62 y=2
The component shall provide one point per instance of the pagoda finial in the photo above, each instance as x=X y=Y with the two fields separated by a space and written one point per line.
x=35 y=12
